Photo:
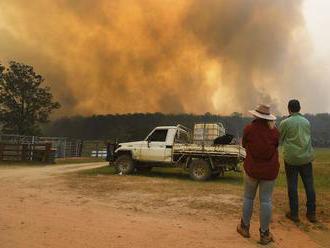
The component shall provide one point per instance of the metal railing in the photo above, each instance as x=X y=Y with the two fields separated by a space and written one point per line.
x=27 y=152
x=65 y=147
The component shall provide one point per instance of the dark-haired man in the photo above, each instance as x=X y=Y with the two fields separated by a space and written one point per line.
x=298 y=156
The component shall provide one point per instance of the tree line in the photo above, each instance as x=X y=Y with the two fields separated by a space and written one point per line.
x=26 y=104
x=132 y=127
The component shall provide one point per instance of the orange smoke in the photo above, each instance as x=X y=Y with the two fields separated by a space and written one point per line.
x=161 y=55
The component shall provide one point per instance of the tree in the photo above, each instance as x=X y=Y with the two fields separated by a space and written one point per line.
x=24 y=102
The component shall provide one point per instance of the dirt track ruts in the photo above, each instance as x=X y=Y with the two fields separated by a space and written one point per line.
x=37 y=209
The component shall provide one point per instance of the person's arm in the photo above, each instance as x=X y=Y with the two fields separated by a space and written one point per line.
x=277 y=137
x=283 y=131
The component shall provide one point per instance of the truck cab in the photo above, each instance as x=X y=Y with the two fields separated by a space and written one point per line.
x=157 y=146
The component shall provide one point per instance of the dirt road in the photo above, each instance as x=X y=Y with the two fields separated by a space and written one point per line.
x=38 y=209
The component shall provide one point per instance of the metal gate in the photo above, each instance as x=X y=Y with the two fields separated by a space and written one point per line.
x=64 y=147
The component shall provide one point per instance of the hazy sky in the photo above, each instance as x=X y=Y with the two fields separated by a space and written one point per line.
x=171 y=56
x=317 y=19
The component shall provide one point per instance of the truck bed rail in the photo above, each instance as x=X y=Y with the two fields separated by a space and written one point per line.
x=213 y=150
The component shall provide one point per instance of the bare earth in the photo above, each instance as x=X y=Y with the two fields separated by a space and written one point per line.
x=39 y=207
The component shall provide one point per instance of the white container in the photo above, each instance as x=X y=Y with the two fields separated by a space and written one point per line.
x=205 y=133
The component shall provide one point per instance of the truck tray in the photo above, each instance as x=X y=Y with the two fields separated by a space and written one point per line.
x=214 y=150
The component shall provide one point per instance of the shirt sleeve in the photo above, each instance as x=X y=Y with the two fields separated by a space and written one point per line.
x=309 y=128
x=283 y=131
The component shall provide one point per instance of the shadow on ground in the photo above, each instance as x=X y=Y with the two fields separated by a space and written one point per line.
x=232 y=178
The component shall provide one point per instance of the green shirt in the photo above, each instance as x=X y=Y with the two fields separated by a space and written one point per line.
x=296 y=140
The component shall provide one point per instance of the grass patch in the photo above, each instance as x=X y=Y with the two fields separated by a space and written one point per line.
x=231 y=178
x=321 y=169
x=106 y=170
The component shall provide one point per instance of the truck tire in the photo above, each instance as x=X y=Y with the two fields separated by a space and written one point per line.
x=124 y=164
x=218 y=173
x=200 y=170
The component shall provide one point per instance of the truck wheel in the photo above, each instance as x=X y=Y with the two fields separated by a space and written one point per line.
x=200 y=170
x=218 y=173
x=124 y=164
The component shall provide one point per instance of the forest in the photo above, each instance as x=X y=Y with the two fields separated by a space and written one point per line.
x=130 y=127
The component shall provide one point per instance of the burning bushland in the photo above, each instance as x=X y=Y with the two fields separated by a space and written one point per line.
x=164 y=55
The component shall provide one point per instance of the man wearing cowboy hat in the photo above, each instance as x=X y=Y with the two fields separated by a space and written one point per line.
x=261 y=165
x=298 y=156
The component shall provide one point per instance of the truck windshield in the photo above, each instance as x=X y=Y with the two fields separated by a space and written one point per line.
x=158 y=135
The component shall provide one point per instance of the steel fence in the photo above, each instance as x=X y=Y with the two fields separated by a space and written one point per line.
x=64 y=147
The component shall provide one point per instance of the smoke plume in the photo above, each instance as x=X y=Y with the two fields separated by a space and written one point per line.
x=169 y=56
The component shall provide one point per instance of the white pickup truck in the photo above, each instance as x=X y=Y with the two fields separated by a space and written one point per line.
x=171 y=146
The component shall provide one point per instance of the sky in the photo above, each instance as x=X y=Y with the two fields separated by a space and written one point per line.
x=317 y=20
x=316 y=13
x=192 y=56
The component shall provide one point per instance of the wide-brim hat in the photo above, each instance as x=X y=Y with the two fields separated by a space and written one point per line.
x=263 y=112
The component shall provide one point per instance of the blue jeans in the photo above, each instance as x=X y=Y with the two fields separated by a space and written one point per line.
x=265 y=195
x=306 y=173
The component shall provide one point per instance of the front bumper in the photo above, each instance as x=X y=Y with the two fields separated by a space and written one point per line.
x=111 y=155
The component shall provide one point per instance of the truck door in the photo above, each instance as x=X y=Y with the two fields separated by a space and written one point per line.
x=154 y=150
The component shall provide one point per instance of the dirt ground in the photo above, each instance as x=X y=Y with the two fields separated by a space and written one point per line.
x=53 y=206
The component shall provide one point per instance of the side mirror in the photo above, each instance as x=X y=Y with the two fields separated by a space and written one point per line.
x=148 y=141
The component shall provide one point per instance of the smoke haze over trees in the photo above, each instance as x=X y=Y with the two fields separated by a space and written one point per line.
x=132 y=127
x=167 y=56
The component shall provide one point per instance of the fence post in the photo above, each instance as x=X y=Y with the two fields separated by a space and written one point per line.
x=64 y=147
x=48 y=147
x=80 y=148
x=32 y=148
x=2 y=146
x=68 y=149
x=24 y=152
x=97 y=149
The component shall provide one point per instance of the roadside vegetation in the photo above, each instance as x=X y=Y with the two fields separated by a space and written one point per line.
x=132 y=127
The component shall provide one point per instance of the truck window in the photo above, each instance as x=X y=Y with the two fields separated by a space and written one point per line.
x=181 y=137
x=158 y=135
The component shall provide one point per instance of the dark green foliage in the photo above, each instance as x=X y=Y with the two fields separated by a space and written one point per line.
x=130 y=127
x=24 y=103
x=320 y=129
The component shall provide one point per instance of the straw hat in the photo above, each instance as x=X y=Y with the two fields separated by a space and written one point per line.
x=263 y=112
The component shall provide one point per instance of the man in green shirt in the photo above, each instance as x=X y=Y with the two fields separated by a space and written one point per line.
x=298 y=156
